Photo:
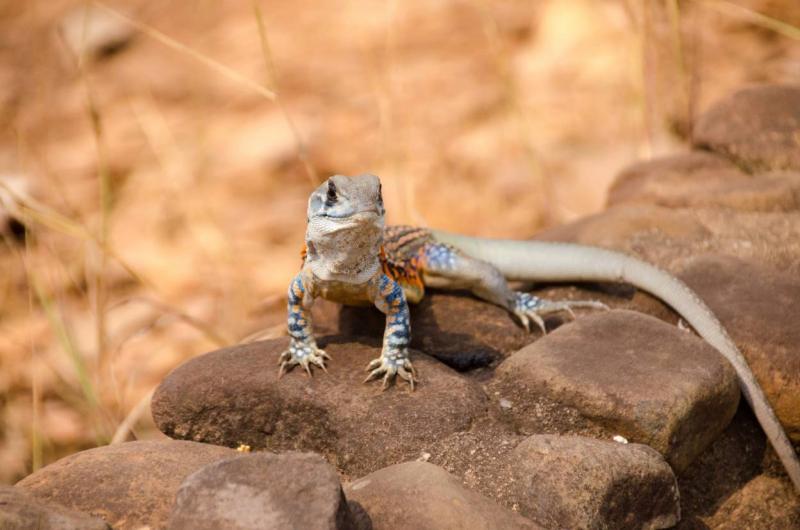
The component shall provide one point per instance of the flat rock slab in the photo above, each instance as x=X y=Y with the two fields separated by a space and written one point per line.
x=425 y=497
x=700 y=179
x=577 y=482
x=758 y=307
x=21 y=511
x=757 y=127
x=633 y=375
x=234 y=396
x=129 y=485
x=261 y=491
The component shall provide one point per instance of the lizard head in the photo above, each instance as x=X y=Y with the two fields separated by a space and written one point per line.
x=342 y=200
x=345 y=228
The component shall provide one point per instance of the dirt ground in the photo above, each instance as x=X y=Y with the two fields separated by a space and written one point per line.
x=158 y=172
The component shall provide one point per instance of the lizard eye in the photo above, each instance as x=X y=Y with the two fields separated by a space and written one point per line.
x=380 y=194
x=331 y=198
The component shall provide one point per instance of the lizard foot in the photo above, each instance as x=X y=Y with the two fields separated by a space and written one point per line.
x=389 y=365
x=529 y=308
x=303 y=354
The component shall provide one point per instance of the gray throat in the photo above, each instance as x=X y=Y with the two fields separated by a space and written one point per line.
x=344 y=250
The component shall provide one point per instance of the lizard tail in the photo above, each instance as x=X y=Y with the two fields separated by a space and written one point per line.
x=542 y=261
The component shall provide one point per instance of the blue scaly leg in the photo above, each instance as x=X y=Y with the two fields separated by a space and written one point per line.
x=388 y=297
x=303 y=348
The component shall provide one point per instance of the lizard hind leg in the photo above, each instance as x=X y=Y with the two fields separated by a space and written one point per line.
x=446 y=267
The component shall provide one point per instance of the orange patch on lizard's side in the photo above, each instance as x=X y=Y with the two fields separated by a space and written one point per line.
x=407 y=274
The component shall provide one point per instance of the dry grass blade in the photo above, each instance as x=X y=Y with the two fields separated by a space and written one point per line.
x=263 y=334
x=754 y=17
x=218 y=67
x=302 y=150
x=29 y=209
x=64 y=338
x=208 y=332
x=97 y=273
x=126 y=426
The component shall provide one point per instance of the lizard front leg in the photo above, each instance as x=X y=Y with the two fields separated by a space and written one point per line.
x=303 y=348
x=388 y=297
x=446 y=267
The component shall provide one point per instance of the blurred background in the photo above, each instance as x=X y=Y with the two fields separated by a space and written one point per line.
x=155 y=158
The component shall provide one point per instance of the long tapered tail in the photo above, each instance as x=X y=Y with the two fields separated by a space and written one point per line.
x=541 y=261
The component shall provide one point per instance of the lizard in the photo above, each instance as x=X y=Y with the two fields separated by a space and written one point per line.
x=351 y=257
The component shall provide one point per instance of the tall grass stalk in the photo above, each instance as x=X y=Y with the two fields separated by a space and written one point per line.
x=272 y=74
x=754 y=17
x=218 y=67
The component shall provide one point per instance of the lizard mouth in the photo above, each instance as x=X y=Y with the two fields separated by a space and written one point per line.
x=357 y=216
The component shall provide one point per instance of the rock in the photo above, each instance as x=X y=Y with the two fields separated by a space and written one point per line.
x=261 y=490
x=764 y=503
x=631 y=181
x=700 y=179
x=577 y=482
x=20 y=511
x=670 y=238
x=95 y=32
x=631 y=374
x=757 y=127
x=756 y=312
x=129 y=485
x=425 y=497
x=619 y=228
x=233 y=396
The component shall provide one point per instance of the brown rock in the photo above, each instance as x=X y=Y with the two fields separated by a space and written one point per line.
x=258 y=491
x=764 y=503
x=670 y=238
x=20 y=511
x=425 y=497
x=233 y=396
x=130 y=485
x=700 y=179
x=758 y=128
x=633 y=375
x=631 y=181
x=617 y=227
x=755 y=303
x=576 y=482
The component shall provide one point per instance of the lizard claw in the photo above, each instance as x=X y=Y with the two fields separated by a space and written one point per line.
x=389 y=366
x=304 y=355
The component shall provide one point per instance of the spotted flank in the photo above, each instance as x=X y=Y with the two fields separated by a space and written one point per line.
x=403 y=243
x=440 y=256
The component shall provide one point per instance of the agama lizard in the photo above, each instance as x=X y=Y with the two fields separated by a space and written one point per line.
x=350 y=257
